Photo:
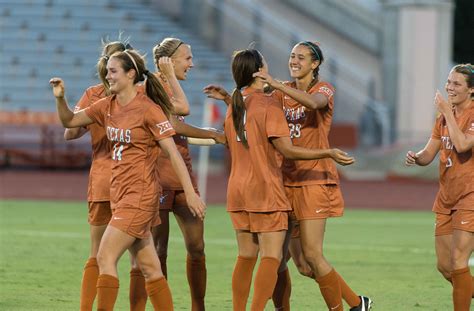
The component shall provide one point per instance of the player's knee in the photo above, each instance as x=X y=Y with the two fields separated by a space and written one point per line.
x=195 y=248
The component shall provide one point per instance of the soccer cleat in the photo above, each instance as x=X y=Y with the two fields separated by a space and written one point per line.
x=365 y=304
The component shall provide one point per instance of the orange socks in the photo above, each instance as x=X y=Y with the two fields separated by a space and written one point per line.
x=462 y=291
x=160 y=294
x=107 y=291
x=347 y=293
x=241 y=281
x=137 y=293
x=265 y=281
x=89 y=284
x=197 y=276
x=450 y=280
x=164 y=268
x=282 y=291
x=331 y=290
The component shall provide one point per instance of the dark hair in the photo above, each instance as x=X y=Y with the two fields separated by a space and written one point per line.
x=468 y=71
x=244 y=64
x=316 y=55
x=167 y=48
x=109 y=48
x=132 y=60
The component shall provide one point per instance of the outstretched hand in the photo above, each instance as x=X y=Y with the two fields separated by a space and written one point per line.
x=215 y=91
x=410 y=158
x=266 y=78
x=58 y=87
x=341 y=157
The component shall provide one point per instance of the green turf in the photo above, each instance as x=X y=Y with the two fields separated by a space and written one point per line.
x=388 y=256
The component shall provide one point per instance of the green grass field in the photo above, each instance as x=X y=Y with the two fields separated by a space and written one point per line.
x=386 y=255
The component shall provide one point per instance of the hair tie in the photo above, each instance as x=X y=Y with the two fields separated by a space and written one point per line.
x=146 y=72
x=106 y=57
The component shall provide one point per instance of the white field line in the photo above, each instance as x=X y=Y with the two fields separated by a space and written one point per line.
x=231 y=242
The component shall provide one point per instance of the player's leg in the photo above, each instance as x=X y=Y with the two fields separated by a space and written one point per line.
x=192 y=229
x=461 y=250
x=98 y=218
x=156 y=284
x=114 y=243
x=271 y=247
x=242 y=275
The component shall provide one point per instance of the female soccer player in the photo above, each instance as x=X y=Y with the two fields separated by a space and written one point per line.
x=311 y=186
x=99 y=185
x=453 y=137
x=255 y=129
x=173 y=59
x=138 y=127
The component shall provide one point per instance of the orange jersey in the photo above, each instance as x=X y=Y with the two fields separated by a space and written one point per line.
x=456 y=170
x=168 y=178
x=99 y=176
x=256 y=181
x=309 y=129
x=134 y=131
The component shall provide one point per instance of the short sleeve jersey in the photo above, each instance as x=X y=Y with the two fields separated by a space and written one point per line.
x=168 y=178
x=133 y=131
x=456 y=170
x=256 y=181
x=99 y=176
x=309 y=129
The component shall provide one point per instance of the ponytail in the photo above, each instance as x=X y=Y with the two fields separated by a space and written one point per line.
x=238 y=116
x=157 y=93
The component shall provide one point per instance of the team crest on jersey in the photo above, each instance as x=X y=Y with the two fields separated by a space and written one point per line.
x=164 y=126
x=325 y=90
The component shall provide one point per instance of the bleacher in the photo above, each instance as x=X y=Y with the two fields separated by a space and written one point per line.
x=41 y=39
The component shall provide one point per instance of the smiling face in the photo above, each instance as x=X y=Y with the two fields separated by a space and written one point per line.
x=117 y=77
x=301 y=64
x=183 y=61
x=457 y=88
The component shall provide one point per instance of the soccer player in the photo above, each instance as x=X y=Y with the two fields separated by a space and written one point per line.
x=98 y=194
x=173 y=59
x=137 y=126
x=311 y=186
x=453 y=138
x=255 y=129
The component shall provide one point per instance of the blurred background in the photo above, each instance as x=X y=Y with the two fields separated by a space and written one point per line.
x=386 y=59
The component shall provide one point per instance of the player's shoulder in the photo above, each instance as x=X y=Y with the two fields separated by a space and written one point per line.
x=323 y=87
x=96 y=90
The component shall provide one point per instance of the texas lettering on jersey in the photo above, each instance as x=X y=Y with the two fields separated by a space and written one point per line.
x=119 y=135
x=294 y=114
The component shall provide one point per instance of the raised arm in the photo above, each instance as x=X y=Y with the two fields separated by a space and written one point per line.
x=461 y=141
x=68 y=118
x=289 y=151
x=195 y=204
x=218 y=92
x=179 y=99
x=311 y=101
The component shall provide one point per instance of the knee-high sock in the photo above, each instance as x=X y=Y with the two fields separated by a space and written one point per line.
x=137 y=293
x=265 y=281
x=331 y=290
x=89 y=284
x=462 y=291
x=282 y=292
x=164 y=268
x=107 y=291
x=450 y=280
x=197 y=278
x=160 y=294
x=241 y=281
x=352 y=299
